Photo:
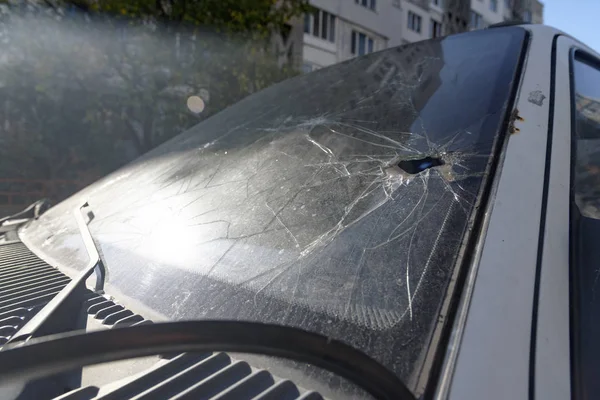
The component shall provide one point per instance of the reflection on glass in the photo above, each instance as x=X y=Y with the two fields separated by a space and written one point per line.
x=195 y=104
x=587 y=169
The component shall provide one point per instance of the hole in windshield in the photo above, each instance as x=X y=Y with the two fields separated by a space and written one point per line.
x=419 y=165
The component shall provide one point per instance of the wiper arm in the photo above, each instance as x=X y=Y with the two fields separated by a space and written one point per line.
x=34 y=210
x=95 y=263
x=60 y=313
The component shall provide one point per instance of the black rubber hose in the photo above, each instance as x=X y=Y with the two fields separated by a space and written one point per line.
x=53 y=354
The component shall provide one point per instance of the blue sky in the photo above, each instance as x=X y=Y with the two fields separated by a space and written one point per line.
x=578 y=18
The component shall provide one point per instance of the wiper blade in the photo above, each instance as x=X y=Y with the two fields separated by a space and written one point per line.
x=61 y=353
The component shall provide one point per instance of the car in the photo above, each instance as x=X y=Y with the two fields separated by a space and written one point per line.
x=419 y=222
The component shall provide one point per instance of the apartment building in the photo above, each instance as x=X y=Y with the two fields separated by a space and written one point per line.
x=537 y=12
x=338 y=30
x=341 y=29
x=488 y=12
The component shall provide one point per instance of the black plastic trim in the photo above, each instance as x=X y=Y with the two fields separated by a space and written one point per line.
x=574 y=217
x=61 y=353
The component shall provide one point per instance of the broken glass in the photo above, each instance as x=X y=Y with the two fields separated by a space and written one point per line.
x=339 y=202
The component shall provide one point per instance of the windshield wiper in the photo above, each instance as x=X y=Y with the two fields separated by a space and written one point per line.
x=34 y=210
x=60 y=314
x=95 y=262
x=29 y=356
x=61 y=353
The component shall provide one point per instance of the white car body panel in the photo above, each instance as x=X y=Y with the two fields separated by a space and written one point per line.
x=493 y=359
x=552 y=364
x=491 y=354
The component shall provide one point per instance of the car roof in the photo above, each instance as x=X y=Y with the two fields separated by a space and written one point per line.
x=551 y=32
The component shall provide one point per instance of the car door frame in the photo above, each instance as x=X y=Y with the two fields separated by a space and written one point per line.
x=556 y=362
x=551 y=368
x=492 y=350
x=571 y=50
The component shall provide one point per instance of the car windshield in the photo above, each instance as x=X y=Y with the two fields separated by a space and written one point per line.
x=340 y=202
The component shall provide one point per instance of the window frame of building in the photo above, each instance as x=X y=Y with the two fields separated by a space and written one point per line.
x=494 y=5
x=369 y=4
x=475 y=20
x=435 y=28
x=307 y=23
x=437 y=3
x=527 y=16
x=324 y=28
x=415 y=22
x=369 y=43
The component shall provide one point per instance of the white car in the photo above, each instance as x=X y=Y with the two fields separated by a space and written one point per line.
x=420 y=222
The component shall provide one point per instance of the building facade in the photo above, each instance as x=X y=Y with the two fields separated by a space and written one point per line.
x=338 y=30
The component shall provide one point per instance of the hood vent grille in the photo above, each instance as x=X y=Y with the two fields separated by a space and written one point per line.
x=194 y=376
x=27 y=284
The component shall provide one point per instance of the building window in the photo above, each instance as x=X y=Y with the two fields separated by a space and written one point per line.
x=414 y=22
x=494 y=5
x=372 y=4
x=476 y=20
x=436 y=29
x=320 y=24
x=307 y=23
x=361 y=44
x=527 y=16
x=316 y=23
x=437 y=3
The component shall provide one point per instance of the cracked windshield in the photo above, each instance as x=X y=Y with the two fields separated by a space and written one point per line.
x=235 y=173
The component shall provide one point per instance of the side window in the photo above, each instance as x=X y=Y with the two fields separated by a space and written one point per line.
x=587 y=138
x=585 y=227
